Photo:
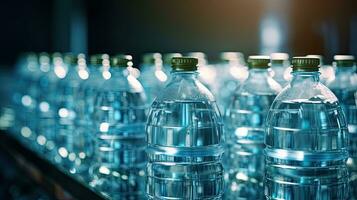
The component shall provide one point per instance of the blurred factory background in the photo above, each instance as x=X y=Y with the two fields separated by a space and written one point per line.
x=297 y=27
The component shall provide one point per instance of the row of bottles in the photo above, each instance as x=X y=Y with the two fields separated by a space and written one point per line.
x=160 y=133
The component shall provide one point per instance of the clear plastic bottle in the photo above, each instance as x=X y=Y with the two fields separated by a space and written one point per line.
x=167 y=57
x=306 y=139
x=25 y=95
x=119 y=120
x=47 y=105
x=207 y=72
x=232 y=71
x=281 y=68
x=134 y=71
x=185 y=139
x=83 y=148
x=67 y=90
x=327 y=71
x=245 y=118
x=344 y=86
x=152 y=75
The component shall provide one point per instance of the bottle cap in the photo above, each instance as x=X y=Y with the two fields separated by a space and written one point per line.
x=279 y=58
x=344 y=60
x=320 y=57
x=126 y=56
x=202 y=59
x=152 y=58
x=305 y=64
x=56 y=58
x=184 y=63
x=99 y=59
x=167 y=57
x=72 y=59
x=119 y=61
x=44 y=58
x=231 y=56
x=259 y=61
x=56 y=55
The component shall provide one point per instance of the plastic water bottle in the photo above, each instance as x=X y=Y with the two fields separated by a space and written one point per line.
x=207 y=73
x=119 y=120
x=67 y=91
x=83 y=147
x=306 y=139
x=232 y=72
x=184 y=135
x=281 y=68
x=152 y=75
x=24 y=97
x=134 y=71
x=327 y=71
x=167 y=57
x=344 y=86
x=244 y=120
x=47 y=107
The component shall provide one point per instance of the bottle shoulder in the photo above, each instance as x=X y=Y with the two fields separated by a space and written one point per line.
x=344 y=81
x=185 y=90
x=259 y=86
x=152 y=76
x=307 y=93
x=122 y=84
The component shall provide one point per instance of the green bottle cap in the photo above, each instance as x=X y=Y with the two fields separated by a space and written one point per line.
x=279 y=58
x=202 y=58
x=344 y=60
x=320 y=57
x=99 y=59
x=167 y=57
x=72 y=59
x=56 y=58
x=126 y=56
x=44 y=58
x=152 y=58
x=119 y=61
x=231 y=56
x=305 y=64
x=56 y=55
x=184 y=64
x=259 y=61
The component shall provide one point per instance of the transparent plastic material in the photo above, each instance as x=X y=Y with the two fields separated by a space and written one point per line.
x=306 y=143
x=207 y=73
x=68 y=144
x=282 y=72
x=231 y=74
x=84 y=108
x=344 y=86
x=25 y=98
x=46 y=108
x=245 y=117
x=185 y=142
x=153 y=79
x=119 y=117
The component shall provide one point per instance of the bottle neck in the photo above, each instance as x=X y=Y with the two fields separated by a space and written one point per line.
x=344 y=70
x=184 y=74
x=299 y=77
x=255 y=72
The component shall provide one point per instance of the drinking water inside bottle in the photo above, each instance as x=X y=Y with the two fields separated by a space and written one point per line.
x=307 y=151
